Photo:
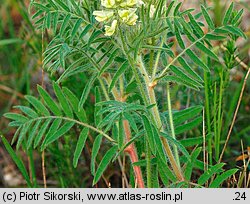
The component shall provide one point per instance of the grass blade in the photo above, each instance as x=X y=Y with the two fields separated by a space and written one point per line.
x=17 y=161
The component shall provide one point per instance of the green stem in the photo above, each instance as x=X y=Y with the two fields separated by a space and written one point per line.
x=157 y=119
x=32 y=167
x=131 y=62
x=104 y=89
x=151 y=100
x=208 y=119
x=151 y=58
x=131 y=150
x=171 y=121
x=215 y=114
x=158 y=59
x=219 y=117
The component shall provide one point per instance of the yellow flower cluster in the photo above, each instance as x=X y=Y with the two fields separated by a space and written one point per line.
x=120 y=3
x=126 y=13
x=125 y=10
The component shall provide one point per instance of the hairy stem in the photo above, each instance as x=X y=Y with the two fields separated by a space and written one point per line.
x=151 y=100
x=131 y=62
x=131 y=150
x=157 y=119
x=166 y=146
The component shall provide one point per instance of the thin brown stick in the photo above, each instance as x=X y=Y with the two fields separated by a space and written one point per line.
x=124 y=171
x=44 y=170
x=29 y=167
x=106 y=181
x=244 y=163
x=7 y=77
x=9 y=90
x=43 y=152
x=237 y=108
x=248 y=180
x=125 y=182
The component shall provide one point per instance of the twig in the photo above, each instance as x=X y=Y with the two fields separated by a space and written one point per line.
x=43 y=152
x=124 y=176
x=244 y=164
x=44 y=170
x=9 y=90
x=238 y=105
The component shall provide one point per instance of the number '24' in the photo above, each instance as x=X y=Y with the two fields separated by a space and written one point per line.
x=240 y=196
